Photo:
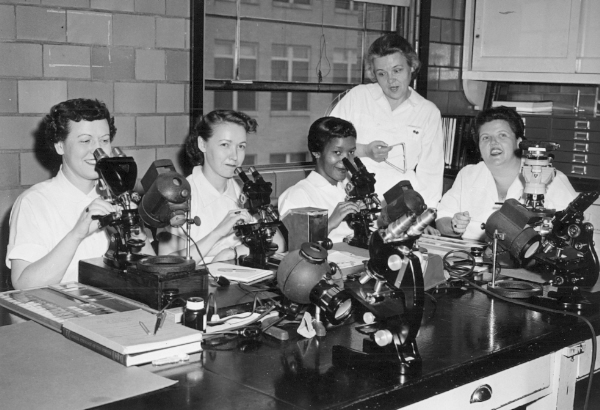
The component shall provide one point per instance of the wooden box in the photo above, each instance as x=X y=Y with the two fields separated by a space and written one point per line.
x=141 y=286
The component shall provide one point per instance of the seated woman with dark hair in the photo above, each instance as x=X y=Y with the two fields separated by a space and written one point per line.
x=477 y=188
x=330 y=140
x=51 y=226
x=217 y=146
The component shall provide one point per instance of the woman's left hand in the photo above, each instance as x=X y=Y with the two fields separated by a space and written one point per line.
x=430 y=230
x=378 y=151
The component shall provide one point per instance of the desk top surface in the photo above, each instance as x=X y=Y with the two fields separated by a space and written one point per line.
x=465 y=336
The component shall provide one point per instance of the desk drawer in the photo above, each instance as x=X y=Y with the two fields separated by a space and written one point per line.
x=579 y=146
x=585 y=136
x=576 y=157
x=575 y=124
x=578 y=170
x=517 y=386
x=585 y=359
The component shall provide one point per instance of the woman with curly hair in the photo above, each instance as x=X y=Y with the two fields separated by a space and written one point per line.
x=216 y=146
x=51 y=226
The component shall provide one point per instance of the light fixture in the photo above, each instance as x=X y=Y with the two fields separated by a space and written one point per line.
x=303 y=277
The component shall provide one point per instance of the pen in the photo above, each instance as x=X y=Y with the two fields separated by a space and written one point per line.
x=160 y=317
x=144 y=327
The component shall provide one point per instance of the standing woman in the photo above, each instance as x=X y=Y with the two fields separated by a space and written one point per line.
x=216 y=146
x=389 y=112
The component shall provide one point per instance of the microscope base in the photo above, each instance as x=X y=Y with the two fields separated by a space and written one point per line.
x=378 y=357
x=142 y=286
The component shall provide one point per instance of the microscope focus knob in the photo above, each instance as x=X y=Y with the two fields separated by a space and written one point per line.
x=369 y=318
x=383 y=337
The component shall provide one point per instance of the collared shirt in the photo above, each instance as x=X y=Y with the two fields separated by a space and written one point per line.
x=43 y=215
x=416 y=122
x=211 y=207
x=317 y=192
x=474 y=190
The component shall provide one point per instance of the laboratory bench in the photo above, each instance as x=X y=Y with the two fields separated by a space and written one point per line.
x=470 y=344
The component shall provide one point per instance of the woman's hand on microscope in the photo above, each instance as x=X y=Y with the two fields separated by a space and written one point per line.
x=232 y=218
x=87 y=225
x=340 y=212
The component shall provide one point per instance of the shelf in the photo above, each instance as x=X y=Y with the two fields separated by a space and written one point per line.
x=568 y=78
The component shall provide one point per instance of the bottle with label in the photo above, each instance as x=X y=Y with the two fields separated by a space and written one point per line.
x=194 y=315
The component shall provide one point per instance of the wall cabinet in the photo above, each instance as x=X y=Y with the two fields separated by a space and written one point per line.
x=543 y=41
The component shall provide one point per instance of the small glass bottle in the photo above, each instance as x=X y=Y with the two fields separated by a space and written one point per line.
x=194 y=315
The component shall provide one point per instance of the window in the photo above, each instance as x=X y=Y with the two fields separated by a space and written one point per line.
x=279 y=49
x=345 y=66
x=347 y=5
x=303 y=2
x=288 y=158
x=224 y=69
x=249 y=160
x=289 y=63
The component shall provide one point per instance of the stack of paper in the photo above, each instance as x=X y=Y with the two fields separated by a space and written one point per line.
x=129 y=337
x=238 y=273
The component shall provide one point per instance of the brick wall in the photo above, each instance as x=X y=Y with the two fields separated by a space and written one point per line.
x=444 y=82
x=131 y=54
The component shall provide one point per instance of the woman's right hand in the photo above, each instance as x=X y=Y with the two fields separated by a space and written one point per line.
x=377 y=151
x=85 y=225
x=340 y=212
x=459 y=222
x=232 y=218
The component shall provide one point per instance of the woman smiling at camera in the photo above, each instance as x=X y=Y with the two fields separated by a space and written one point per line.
x=51 y=226
x=217 y=146
x=477 y=188
x=330 y=140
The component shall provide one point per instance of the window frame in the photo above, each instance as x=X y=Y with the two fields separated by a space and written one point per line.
x=403 y=21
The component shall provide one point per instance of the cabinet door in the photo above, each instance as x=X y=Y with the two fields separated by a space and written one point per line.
x=526 y=35
x=588 y=59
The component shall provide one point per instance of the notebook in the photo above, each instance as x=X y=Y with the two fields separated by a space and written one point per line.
x=238 y=273
x=125 y=333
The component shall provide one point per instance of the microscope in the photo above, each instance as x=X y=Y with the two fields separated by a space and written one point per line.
x=118 y=176
x=257 y=236
x=558 y=244
x=538 y=173
x=123 y=270
x=361 y=190
x=394 y=308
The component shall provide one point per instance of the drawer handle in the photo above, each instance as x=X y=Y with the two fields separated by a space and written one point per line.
x=582 y=125
x=581 y=158
x=580 y=146
x=582 y=136
x=579 y=169
x=482 y=393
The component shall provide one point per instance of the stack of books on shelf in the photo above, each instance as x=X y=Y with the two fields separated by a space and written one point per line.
x=130 y=337
x=459 y=147
x=527 y=107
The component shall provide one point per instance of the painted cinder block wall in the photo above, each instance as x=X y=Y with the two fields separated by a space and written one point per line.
x=131 y=54
x=135 y=56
